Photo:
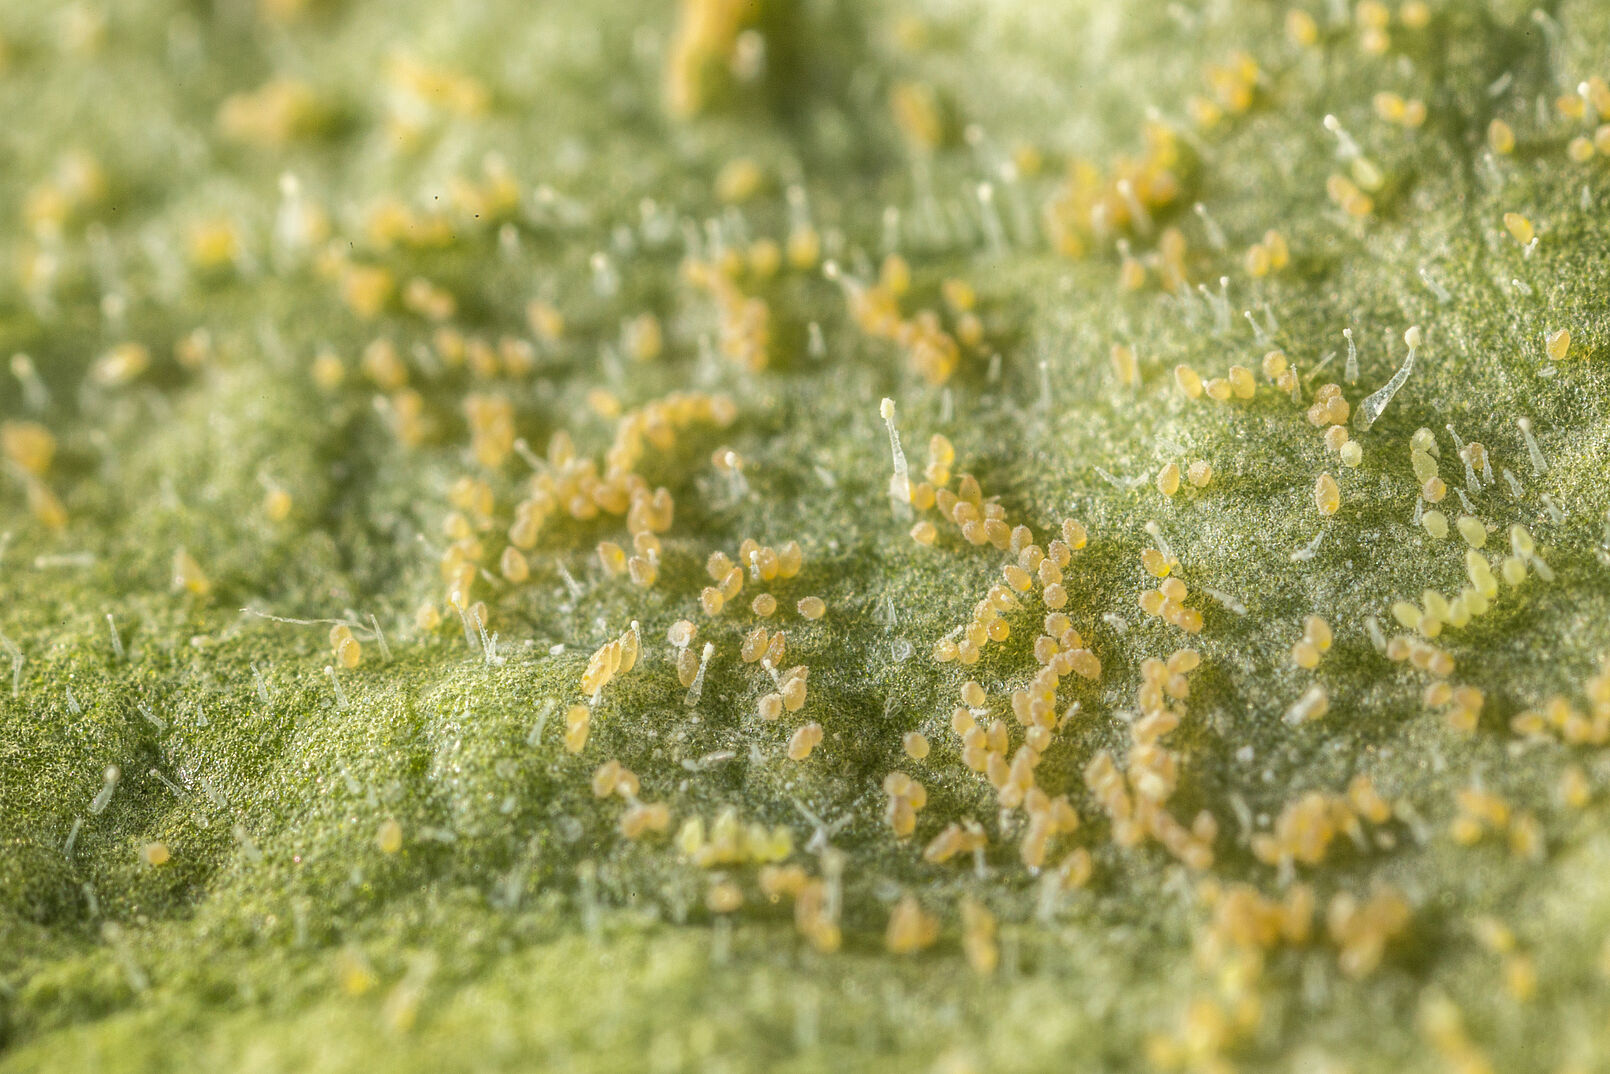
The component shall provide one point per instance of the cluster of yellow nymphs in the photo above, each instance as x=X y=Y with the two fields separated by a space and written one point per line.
x=932 y=351
x=1232 y=88
x=1306 y=827
x=729 y=841
x=1097 y=204
x=1588 y=107
x=1238 y=382
x=744 y=320
x=906 y=799
x=565 y=484
x=966 y=836
x=1559 y=717
x=1167 y=601
x=1481 y=812
x=612 y=658
x=1315 y=643
x=1436 y=612
x=640 y=818
x=1362 y=929
x=1134 y=798
x=816 y=901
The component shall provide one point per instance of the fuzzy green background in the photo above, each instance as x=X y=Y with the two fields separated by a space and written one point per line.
x=516 y=929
